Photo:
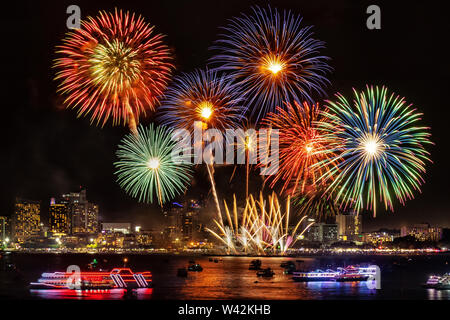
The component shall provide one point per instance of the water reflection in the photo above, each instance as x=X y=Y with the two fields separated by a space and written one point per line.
x=230 y=278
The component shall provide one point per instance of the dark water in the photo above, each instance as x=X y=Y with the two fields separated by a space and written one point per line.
x=401 y=277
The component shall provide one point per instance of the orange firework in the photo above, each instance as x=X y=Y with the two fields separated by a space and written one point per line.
x=301 y=146
x=113 y=66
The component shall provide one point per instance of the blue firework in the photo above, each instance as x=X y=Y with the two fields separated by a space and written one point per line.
x=272 y=58
x=201 y=96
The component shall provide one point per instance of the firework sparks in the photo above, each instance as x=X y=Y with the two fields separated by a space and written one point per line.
x=202 y=96
x=300 y=147
x=263 y=227
x=272 y=58
x=146 y=165
x=113 y=66
x=379 y=146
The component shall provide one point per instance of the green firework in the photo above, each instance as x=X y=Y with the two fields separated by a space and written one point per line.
x=146 y=169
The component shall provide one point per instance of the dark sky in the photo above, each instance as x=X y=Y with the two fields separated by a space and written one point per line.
x=46 y=150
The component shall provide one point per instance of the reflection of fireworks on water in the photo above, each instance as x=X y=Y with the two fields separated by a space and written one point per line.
x=262 y=228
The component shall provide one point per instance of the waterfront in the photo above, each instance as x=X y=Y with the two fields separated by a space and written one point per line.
x=401 y=277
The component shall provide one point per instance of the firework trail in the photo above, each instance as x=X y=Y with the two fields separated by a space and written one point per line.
x=113 y=66
x=203 y=97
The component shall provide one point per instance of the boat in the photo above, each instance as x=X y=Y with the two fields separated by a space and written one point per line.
x=348 y=274
x=255 y=265
x=287 y=264
x=351 y=274
x=182 y=272
x=316 y=275
x=195 y=267
x=438 y=282
x=122 y=278
x=290 y=270
x=267 y=273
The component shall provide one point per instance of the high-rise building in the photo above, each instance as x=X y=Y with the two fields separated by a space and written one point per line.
x=422 y=232
x=4 y=228
x=26 y=219
x=59 y=220
x=92 y=218
x=349 y=226
x=83 y=214
x=323 y=232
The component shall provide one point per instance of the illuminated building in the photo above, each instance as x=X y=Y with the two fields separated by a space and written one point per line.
x=26 y=220
x=4 y=228
x=59 y=220
x=83 y=214
x=92 y=218
x=377 y=238
x=322 y=232
x=145 y=237
x=349 y=227
x=422 y=232
x=116 y=227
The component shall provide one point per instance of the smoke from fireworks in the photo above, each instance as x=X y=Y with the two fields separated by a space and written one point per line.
x=272 y=58
x=379 y=149
x=262 y=228
x=113 y=66
x=146 y=166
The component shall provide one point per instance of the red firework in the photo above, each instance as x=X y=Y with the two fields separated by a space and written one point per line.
x=301 y=147
x=113 y=66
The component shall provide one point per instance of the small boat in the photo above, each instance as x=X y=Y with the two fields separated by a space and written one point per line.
x=216 y=260
x=211 y=259
x=290 y=270
x=182 y=272
x=438 y=282
x=195 y=267
x=266 y=273
x=255 y=265
x=287 y=264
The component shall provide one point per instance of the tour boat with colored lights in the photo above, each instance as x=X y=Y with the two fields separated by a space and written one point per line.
x=118 y=278
x=348 y=274
x=438 y=282
x=317 y=275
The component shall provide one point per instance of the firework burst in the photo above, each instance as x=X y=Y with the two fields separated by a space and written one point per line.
x=113 y=66
x=301 y=145
x=379 y=149
x=272 y=58
x=202 y=96
x=263 y=227
x=146 y=167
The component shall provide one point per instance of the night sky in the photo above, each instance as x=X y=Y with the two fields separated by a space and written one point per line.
x=47 y=151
